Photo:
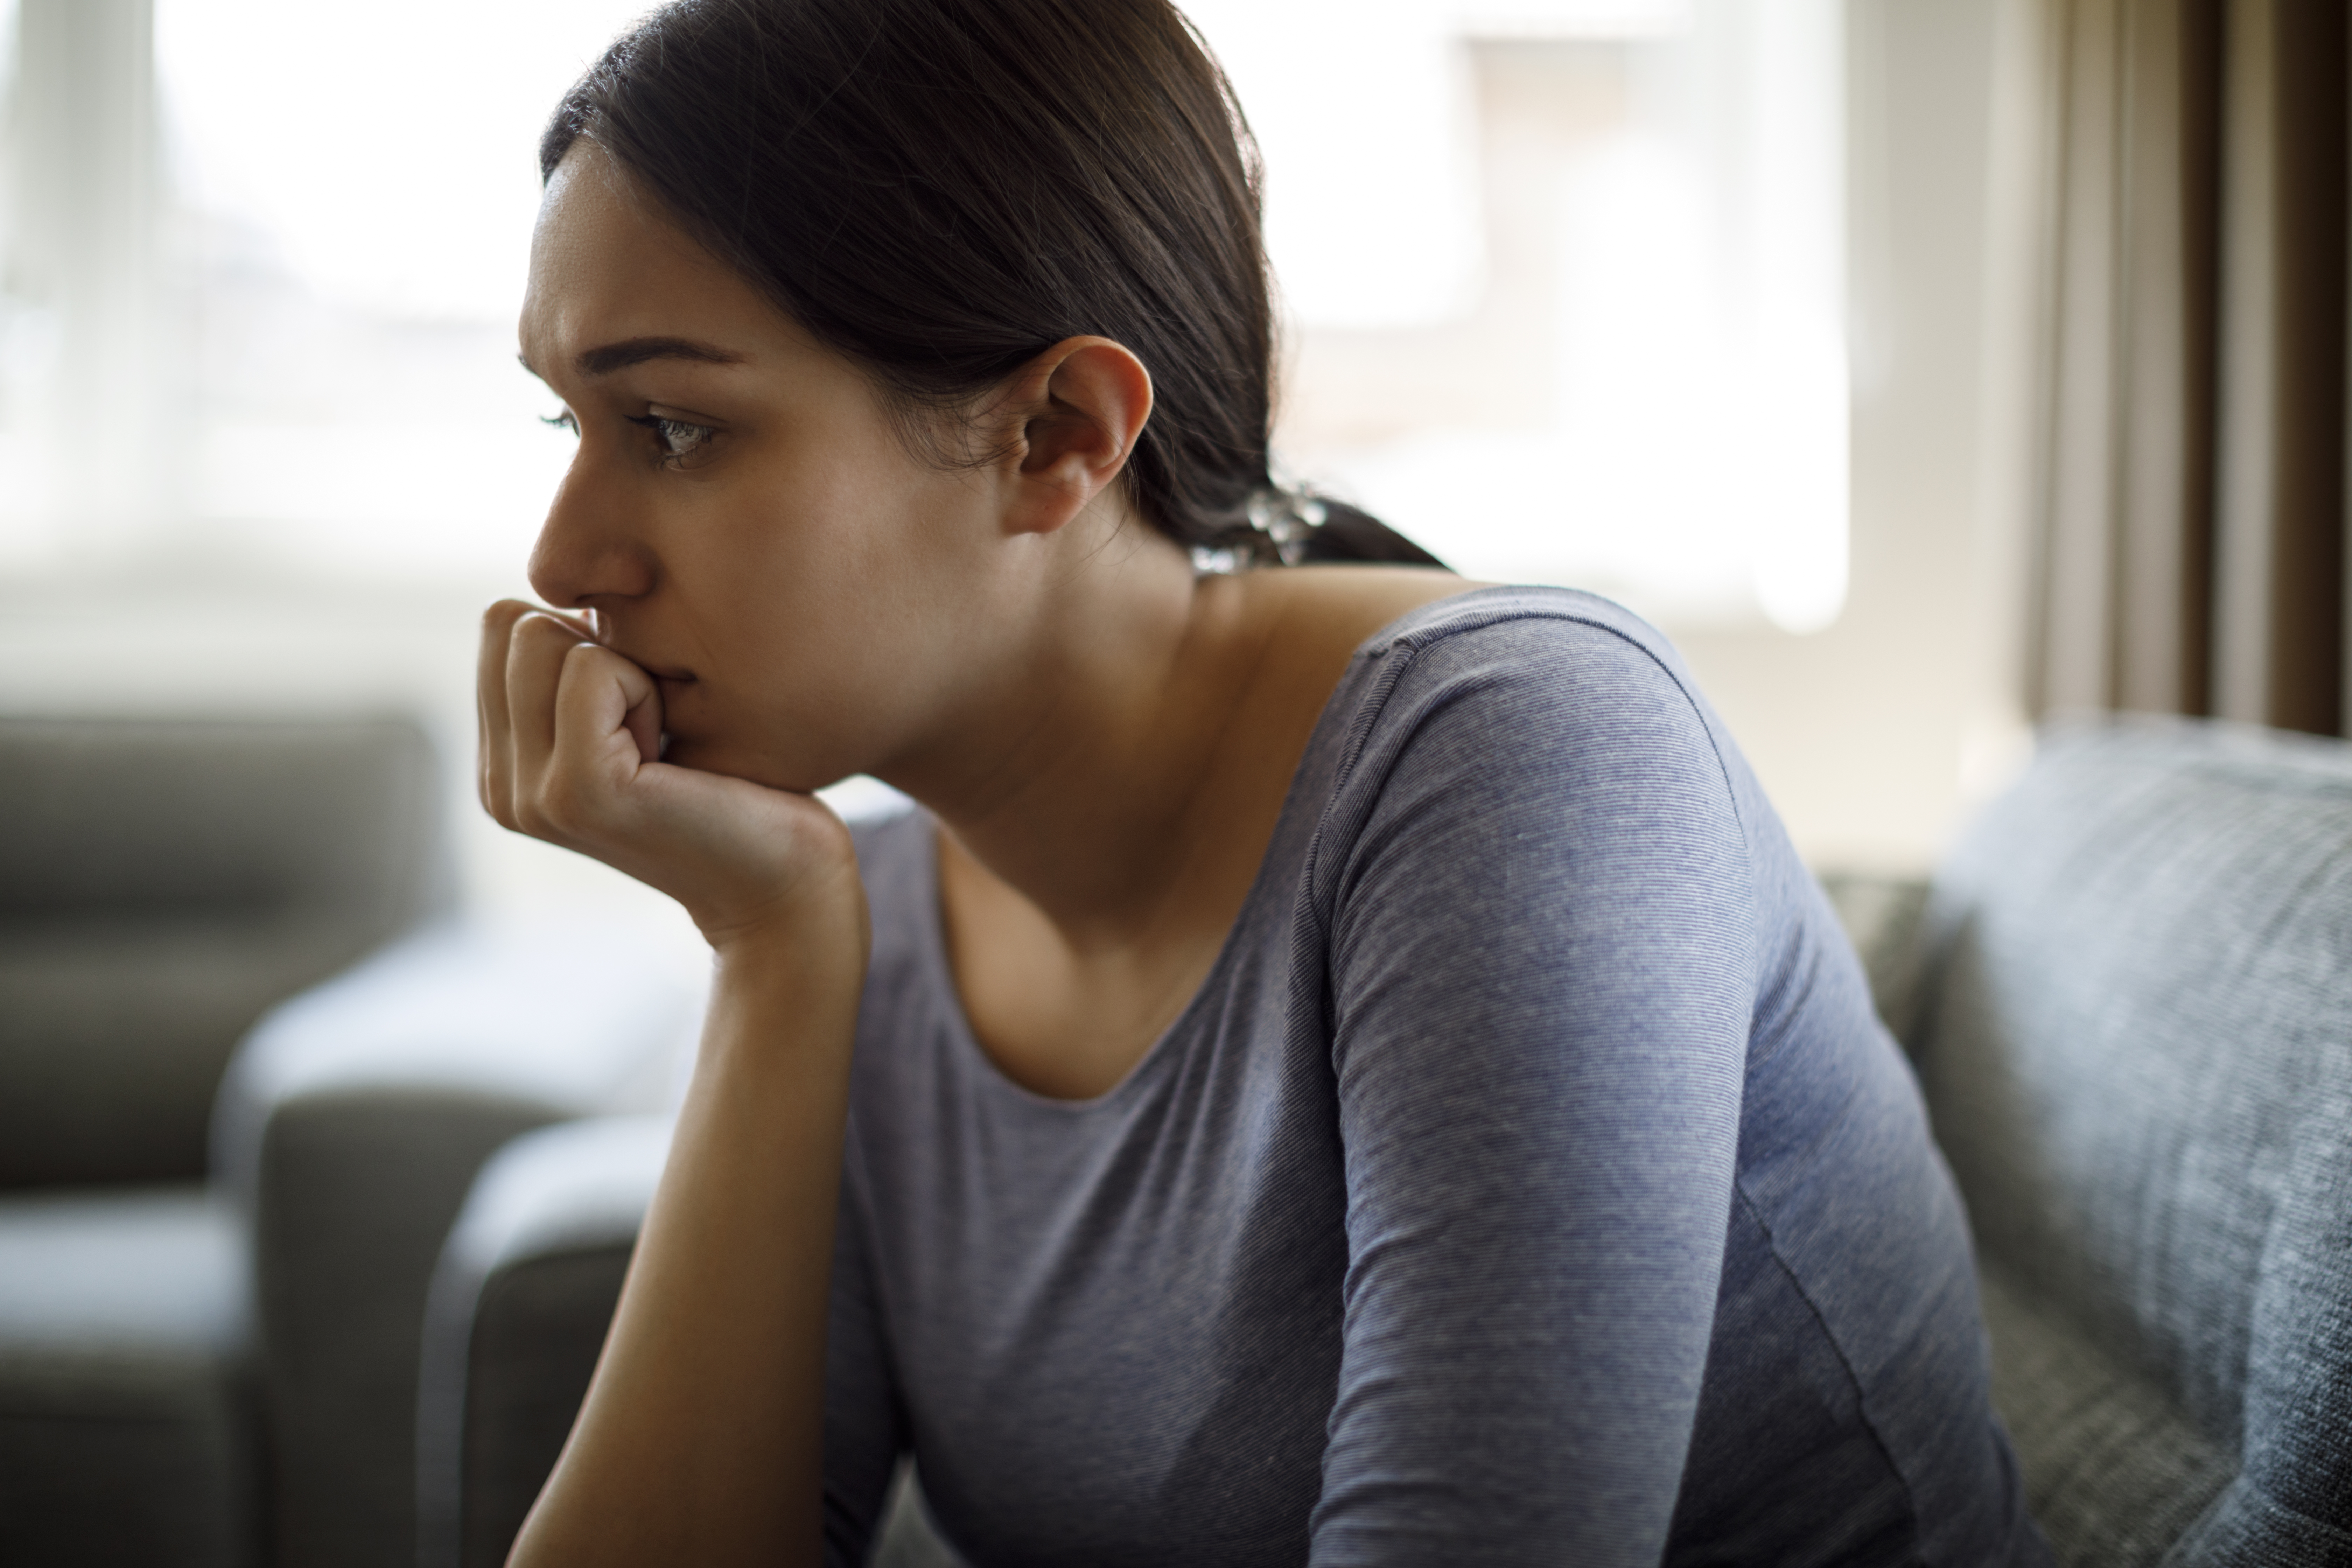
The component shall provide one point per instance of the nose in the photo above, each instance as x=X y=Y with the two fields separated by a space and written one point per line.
x=589 y=550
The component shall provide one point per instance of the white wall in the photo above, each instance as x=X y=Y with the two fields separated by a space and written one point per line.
x=1877 y=736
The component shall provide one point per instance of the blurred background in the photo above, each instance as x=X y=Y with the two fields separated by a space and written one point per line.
x=1719 y=307
x=1924 y=367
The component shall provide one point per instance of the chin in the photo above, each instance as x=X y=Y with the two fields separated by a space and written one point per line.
x=717 y=756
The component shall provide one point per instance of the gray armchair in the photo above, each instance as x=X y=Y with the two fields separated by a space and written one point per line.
x=350 y=1129
x=162 y=884
x=524 y=1292
x=213 y=1282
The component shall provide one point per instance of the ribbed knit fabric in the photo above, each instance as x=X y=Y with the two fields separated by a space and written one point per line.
x=1528 y=1181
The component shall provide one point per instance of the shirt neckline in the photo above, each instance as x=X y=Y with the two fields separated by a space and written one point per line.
x=1319 y=753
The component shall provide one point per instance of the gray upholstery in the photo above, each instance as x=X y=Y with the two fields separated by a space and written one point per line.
x=2136 y=1036
x=352 y=1125
x=521 y=1302
x=126 y=1436
x=162 y=883
x=1882 y=916
x=519 y=1308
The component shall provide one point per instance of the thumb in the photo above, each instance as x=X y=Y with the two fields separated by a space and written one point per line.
x=642 y=719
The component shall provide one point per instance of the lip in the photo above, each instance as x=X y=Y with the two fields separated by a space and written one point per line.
x=668 y=676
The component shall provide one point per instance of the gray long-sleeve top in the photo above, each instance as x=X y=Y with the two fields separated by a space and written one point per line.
x=1528 y=1181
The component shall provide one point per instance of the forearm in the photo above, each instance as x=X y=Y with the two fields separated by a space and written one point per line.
x=700 y=1439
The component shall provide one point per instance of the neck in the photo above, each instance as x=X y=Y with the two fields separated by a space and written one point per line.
x=1079 y=780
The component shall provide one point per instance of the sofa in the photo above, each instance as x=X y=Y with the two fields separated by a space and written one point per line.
x=251 y=1059
x=2130 y=1002
x=163 y=883
x=2128 y=994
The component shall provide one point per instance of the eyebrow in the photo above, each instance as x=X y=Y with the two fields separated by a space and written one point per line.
x=610 y=357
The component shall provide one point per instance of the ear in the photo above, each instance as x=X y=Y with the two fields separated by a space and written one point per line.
x=1076 y=410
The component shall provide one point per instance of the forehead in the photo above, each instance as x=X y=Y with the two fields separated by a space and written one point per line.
x=606 y=266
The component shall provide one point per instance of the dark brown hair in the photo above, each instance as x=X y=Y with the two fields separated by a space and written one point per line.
x=939 y=190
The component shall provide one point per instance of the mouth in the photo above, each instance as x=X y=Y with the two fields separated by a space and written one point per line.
x=671 y=679
x=673 y=690
x=673 y=685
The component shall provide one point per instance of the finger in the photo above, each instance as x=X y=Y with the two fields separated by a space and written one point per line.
x=535 y=655
x=644 y=719
x=600 y=699
x=585 y=623
x=595 y=753
x=496 y=777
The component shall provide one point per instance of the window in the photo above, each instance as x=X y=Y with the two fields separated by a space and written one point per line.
x=1564 y=279
x=1566 y=285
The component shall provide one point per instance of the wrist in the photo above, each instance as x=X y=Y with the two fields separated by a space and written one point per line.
x=799 y=944
x=783 y=999
x=811 y=907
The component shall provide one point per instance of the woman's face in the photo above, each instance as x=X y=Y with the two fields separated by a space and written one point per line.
x=742 y=515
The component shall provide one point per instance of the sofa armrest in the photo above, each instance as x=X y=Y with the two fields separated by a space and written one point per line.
x=351 y=1127
x=519 y=1304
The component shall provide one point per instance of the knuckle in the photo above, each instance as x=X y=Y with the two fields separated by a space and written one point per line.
x=495 y=802
x=560 y=804
x=531 y=817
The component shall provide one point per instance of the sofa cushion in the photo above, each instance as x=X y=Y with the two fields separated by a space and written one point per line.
x=1882 y=917
x=126 y=1426
x=186 y=816
x=2137 y=1041
x=162 y=883
x=2115 y=1474
x=117 y=1033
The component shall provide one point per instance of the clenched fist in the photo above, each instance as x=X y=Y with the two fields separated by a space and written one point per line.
x=571 y=737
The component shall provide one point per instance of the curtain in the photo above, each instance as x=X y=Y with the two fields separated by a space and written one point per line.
x=2189 y=524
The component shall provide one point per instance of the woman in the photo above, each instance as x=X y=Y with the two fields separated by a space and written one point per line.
x=1345 y=1066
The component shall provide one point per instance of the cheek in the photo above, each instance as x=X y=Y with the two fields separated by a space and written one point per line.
x=828 y=548
x=826 y=593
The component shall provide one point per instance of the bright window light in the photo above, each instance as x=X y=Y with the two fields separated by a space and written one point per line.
x=1562 y=283
x=1565 y=285
x=360 y=182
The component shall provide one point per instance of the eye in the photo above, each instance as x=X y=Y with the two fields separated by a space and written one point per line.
x=678 y=439
x=563 y=421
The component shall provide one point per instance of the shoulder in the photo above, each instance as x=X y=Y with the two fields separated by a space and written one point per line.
x=1575 y=690
x=1522 y=747
x=1534 y=833
x=1555 y=630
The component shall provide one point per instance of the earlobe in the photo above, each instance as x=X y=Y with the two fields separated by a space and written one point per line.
x=1082 y=405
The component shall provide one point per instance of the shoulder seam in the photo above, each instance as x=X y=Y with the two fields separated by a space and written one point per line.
x=1417 y=639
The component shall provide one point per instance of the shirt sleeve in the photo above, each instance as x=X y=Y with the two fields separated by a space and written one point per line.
x=1538 y=904
x=863 y=1426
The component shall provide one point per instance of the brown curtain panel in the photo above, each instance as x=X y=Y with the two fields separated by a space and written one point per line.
x=2190 y=525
